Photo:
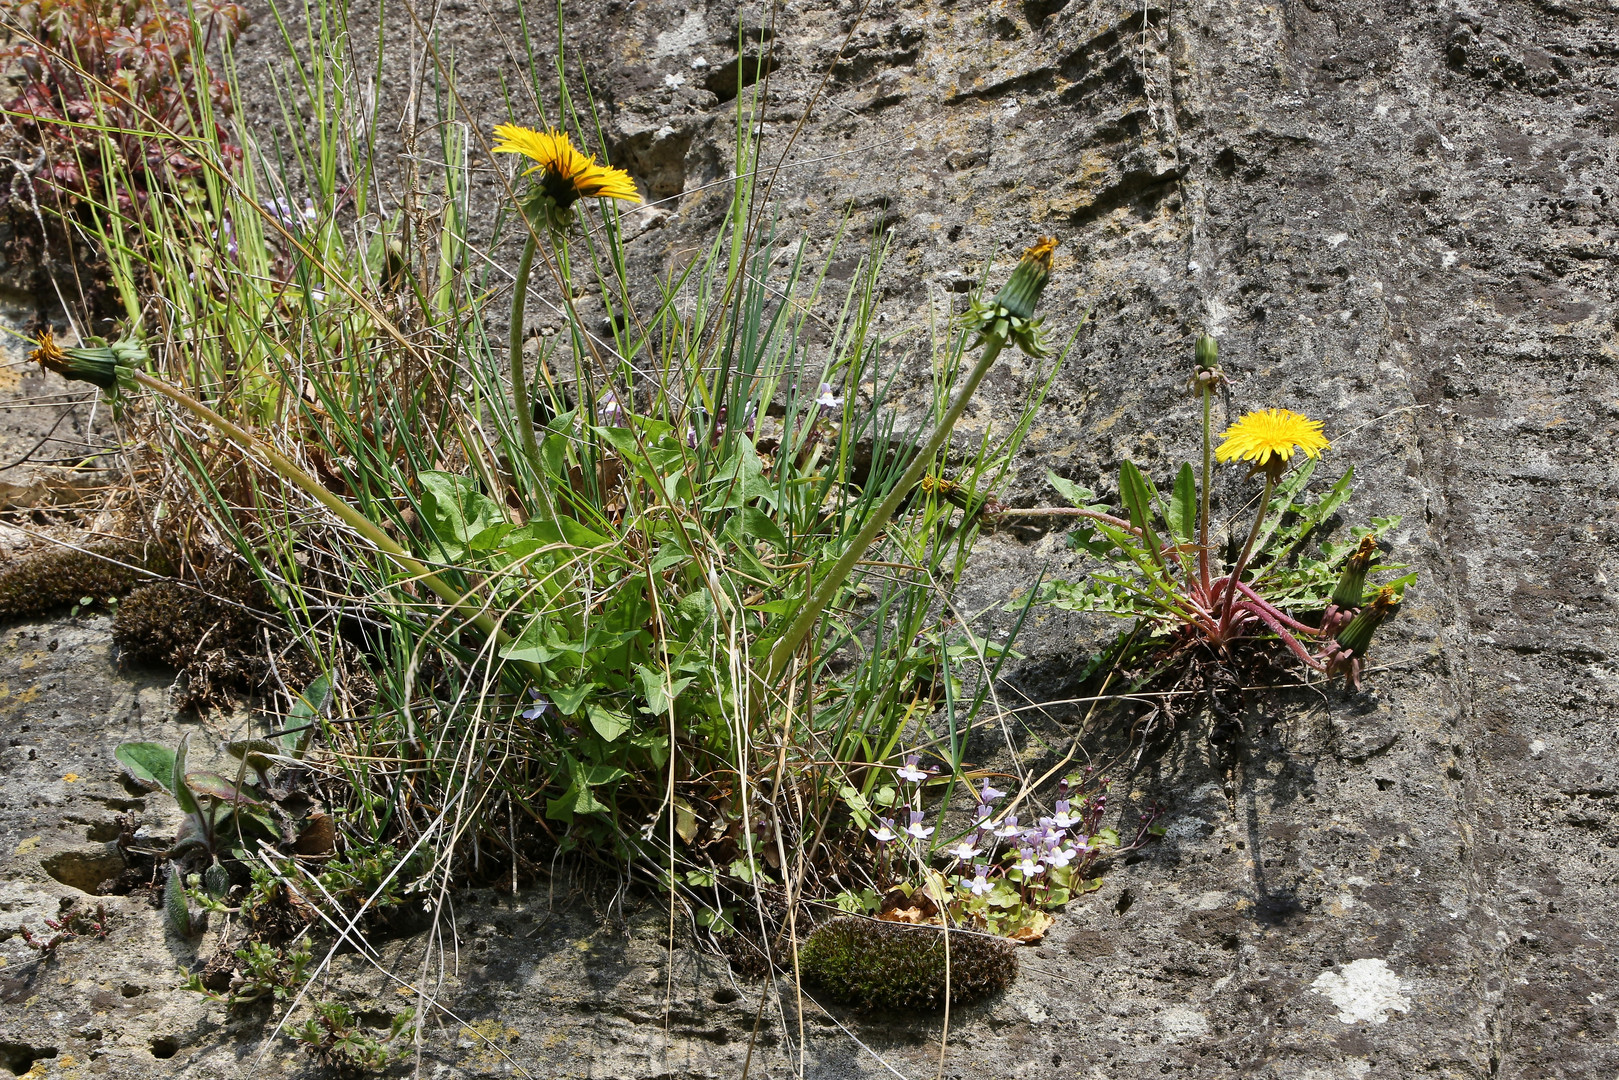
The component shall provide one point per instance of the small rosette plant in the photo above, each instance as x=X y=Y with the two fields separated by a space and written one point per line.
x=1160 y=564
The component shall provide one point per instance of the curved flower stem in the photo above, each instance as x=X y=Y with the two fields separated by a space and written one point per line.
x=1248 y=547
x=525 y=408
x=288 y=470
x=1282 y=617
x=1287 y=639
x=1063 y=511
x=798 y=630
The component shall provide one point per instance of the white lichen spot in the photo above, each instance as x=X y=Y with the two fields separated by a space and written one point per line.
x=1366 y=990
x=1183 y=1023
x=1337 y=238
x=1537 y=748
x=674 y=80
x=1448 y=259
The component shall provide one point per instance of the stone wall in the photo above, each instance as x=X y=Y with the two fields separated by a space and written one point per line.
x=1400 y=218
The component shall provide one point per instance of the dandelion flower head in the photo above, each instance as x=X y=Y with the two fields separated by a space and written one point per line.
x=1271 y=433
x=566 y=175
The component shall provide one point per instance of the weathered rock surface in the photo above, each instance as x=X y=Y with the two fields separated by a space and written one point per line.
x=1398 y=217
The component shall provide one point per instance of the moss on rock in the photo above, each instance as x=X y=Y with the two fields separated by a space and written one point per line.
x=218 y=647
x=874 y=965
x=56 y=577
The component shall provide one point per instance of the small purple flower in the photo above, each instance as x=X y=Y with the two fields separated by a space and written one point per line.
x=984 y=810
x=980 y=884
x=1007 y=828
x=541 y=705
x=1059 y=857
x=293 y=220
x=609 y=410
x=231 y=247
x=915 y=827
x=965 y=850
x=1028 y=864
x=989 y=794
x=910 y=772
x=828 y=401
x=1064 y=819
x=884 y=832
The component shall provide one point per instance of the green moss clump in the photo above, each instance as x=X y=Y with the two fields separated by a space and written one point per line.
x=58 y=577
x=876 y=965
x=166 y=623
x=218 y=648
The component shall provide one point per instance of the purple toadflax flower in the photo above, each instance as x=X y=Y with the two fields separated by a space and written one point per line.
x=980 y=884
x=1065 y=819
x=540 y=706
x=884 y=832
x=915 y=827
x=910 y=772
x=1028 y=864
x=988 y=794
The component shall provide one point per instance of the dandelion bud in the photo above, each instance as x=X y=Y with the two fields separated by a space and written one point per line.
x=1022 y=291
x=1351 y=588
x=1010 y=315
x=1207 y=353
x=107 y=366
x=1356 y=638
x=1343 y=655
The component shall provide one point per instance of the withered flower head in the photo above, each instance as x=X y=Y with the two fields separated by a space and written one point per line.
x=108 y=366
x=1011 y=312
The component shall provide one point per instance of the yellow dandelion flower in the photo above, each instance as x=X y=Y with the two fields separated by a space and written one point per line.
x=566 y=175
x=1271 y=433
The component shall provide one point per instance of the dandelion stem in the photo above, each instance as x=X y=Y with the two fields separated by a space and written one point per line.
x=288 y=470
x=525 y=408
x=1248 y=548
x=1203 y=511
x=788 y=643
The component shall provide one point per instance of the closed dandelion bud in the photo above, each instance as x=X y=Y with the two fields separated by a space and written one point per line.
x=1009 y=316
x=107 y=366
x=1356 y=638
x=1351 y=589
x=1207 y=353
x=1021 y=294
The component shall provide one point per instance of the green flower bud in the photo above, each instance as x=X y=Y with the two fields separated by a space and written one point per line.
x=1351 y=589
x=1207 y=353
x=1356 y=638
x=1010 y=314
x=1022 y=291
x=108 y=366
